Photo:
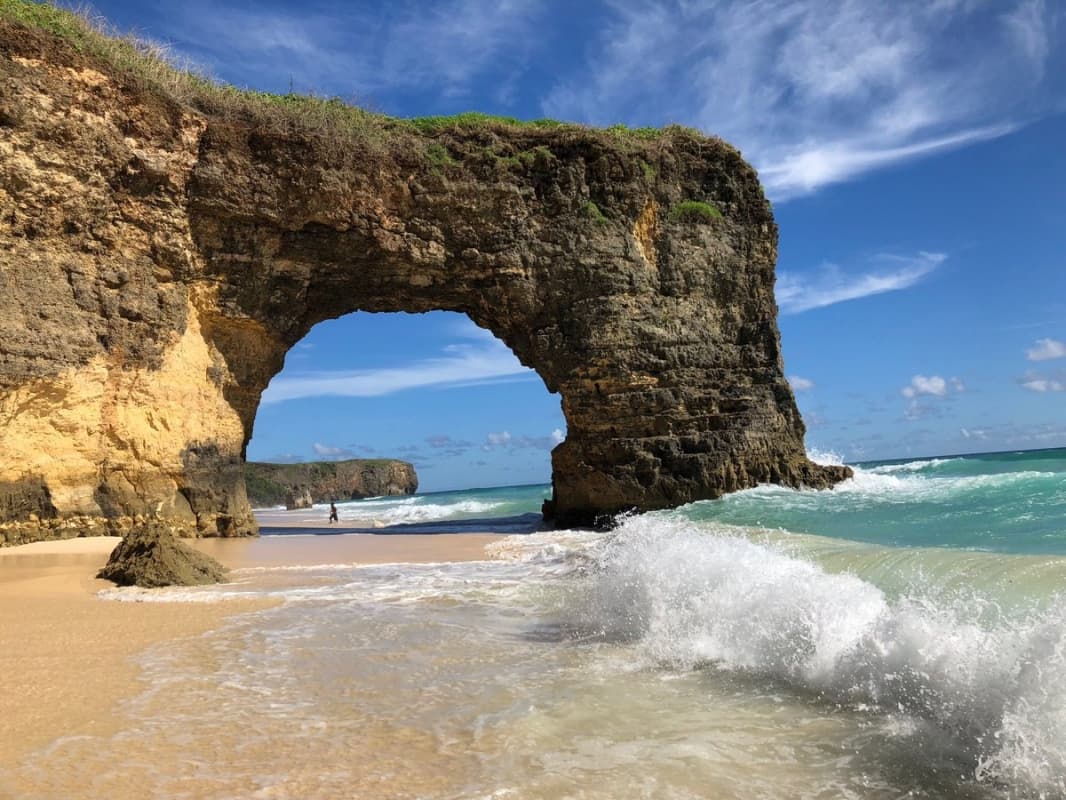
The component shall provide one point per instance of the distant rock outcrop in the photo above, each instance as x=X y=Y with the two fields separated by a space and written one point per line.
x=295 y=499
x=300 y=485
x=150 y=556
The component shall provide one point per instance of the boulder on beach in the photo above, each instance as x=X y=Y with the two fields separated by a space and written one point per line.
x=151 y=556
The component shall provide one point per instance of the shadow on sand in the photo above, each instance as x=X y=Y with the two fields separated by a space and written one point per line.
x=520 y=523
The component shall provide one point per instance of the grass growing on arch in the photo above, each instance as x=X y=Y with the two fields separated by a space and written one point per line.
x=592 y=211
x=437 y=155
x=61 y=22
x=694 y=211
x=334 y=123
x=474 y=119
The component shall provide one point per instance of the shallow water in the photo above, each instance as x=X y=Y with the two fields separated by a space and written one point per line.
x=680 y=656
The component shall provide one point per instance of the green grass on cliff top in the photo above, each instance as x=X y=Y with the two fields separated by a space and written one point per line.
x=156 y=70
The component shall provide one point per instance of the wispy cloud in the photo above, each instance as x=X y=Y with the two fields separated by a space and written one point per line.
x=498 y=439
x=460 y=365
x=1041 y=384
x=448 y=446
x=815 y=92
x=331 y=452
x=358 y=49
x=504 y=439
x=1046 y=350
x=446 y=441
x=830 y=284
x=799 y=384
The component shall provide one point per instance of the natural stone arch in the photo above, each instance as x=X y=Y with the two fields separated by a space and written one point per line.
x=158 y=262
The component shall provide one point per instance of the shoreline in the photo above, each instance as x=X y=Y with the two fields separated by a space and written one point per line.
x=68 y=656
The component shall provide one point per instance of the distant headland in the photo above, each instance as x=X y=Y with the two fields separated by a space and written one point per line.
x=300 y=485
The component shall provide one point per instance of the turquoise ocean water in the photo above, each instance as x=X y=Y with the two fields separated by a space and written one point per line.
x=903 y=635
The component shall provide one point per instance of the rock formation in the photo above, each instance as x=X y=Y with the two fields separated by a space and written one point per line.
x=295 y=499
x=163 y=245
x=323 y=481
x=149 y=556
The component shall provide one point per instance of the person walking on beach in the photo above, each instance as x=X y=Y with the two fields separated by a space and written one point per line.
x=333 y=513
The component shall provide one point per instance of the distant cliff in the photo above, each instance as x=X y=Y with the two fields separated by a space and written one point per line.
x=277 y=484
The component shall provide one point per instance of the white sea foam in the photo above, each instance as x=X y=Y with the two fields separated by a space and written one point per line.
x=827 y=458
x=190 y=594
x=911 y=466
x=423 y=512
x=988 y=697
x=896 y=486
x=382 y=512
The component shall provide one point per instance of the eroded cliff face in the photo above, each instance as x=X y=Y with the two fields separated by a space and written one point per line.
x=156 y=264
x=323 y=481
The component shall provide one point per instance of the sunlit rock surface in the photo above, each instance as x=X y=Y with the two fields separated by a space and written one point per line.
x=157 y=262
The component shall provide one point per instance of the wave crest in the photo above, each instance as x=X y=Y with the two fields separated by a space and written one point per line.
x=987 y=697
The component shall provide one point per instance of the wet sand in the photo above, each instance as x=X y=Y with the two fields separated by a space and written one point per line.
x=66 y=655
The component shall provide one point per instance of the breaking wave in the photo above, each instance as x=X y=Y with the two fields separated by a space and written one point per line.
x=969 y=685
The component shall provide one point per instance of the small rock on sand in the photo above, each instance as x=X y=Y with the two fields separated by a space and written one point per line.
x=151 y=556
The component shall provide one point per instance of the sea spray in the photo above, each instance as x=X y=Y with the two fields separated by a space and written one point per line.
x=983 y=699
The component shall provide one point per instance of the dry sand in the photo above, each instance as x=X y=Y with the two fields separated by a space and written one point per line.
x=66 y=655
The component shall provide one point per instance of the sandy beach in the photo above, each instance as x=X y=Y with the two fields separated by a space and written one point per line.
x=66 y=655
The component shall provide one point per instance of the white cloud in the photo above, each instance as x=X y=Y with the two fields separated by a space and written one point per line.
x=815 y=92
x=498 y=439
x=920 y=384
x=1046 y=349
x=973 y=433
x=799 y=384
x=505 y=439
x=1038 y=384
x=815 y=166
x=957 y=385
x=331 y=452
x=461 y=365
x=829 y=285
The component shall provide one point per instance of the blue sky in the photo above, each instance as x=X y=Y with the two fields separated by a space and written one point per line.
x=915 y=153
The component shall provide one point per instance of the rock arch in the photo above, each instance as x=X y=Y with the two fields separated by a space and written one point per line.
x=157 y=262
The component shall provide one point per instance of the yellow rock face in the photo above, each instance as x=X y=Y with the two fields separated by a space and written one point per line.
x=127 y=429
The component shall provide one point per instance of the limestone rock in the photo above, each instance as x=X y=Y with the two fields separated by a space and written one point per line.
x=324 y=481
x=150 y=556
x=159 y=255
x=297 y=498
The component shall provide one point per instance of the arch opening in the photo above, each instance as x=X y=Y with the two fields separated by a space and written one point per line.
x=430 y=389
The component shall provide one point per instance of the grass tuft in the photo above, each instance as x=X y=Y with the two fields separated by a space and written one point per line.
x=592 y=211
x=694 y=211
x=437 y=155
